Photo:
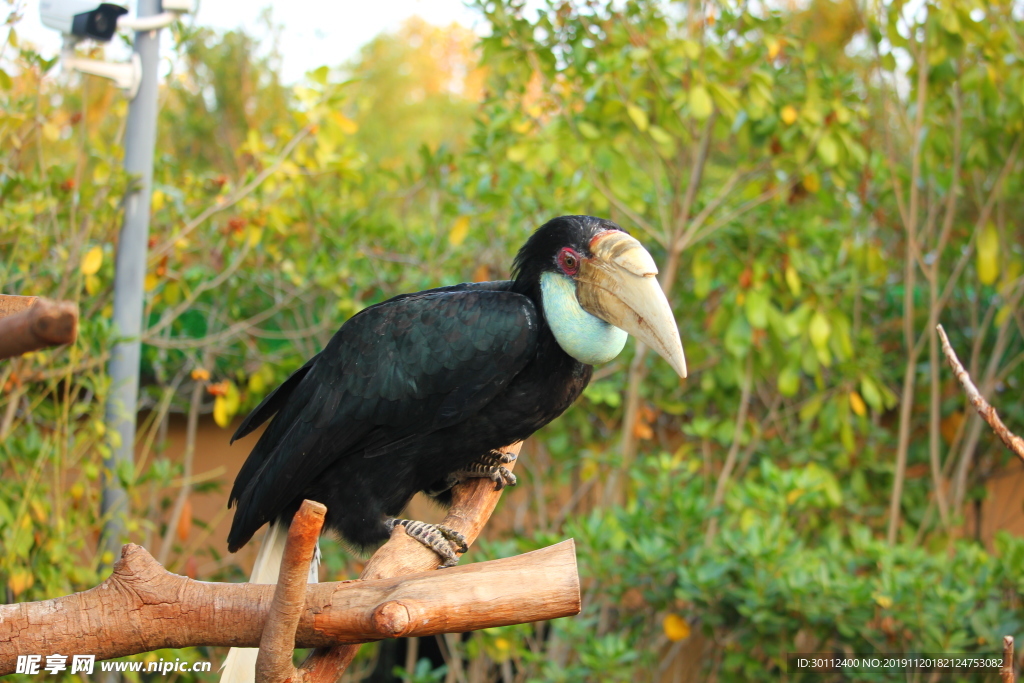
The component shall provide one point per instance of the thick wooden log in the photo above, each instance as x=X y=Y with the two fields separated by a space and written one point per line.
x=13 y=303
x=473 y=501
x=142 y=607
x=29 y=323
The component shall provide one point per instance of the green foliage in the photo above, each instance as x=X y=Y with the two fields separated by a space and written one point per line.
x=777 y=164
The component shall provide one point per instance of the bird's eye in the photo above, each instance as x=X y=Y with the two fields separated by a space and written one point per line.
x=569 y=261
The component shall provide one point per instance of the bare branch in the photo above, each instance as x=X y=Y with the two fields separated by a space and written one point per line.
x=1012 y=441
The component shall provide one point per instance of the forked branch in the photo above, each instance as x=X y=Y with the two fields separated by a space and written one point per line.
x=142 y=607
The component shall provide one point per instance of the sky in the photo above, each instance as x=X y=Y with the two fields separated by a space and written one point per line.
x=315 y=32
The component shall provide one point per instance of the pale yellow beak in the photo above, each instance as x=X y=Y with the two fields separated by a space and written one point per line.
x=619 y=285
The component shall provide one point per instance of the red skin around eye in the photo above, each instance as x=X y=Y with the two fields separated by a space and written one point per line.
x=569 y=261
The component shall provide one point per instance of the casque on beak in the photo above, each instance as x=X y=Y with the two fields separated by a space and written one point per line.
x=619 y=285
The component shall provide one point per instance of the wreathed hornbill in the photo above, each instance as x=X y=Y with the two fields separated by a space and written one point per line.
x=420 y=391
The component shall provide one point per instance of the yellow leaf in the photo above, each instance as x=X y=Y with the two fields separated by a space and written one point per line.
x=812 y=182
x=255 y=234
x=774 y=48
x=857 y=404
x=347 y=125
x=172 y=293
x=788 y=114
x=793 y=280
x=701 y=105
x=459 y=231
x=156 y=201
x=21 y=580
x=92 y=284
x=516 y=153
x=92 y=261
x=51 y=132
x=793 y=496
x=884 y=601
x=200 y=374
x=988 y=255
x=232 y=399
x=589 y=470
x=639 y=116
x=675 y=627
x=150 y=282
x=220 y=412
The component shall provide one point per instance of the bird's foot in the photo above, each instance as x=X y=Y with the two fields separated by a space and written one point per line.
x=491 y=466
x=437 y=537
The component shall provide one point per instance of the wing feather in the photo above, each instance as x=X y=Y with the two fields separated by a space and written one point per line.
x=409 y=366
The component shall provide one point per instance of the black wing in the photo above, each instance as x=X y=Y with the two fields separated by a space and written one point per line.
x=406 y=367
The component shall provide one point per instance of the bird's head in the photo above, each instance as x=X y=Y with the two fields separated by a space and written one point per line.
x=596 y=283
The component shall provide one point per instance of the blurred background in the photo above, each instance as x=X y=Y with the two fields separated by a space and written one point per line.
x=820 y=182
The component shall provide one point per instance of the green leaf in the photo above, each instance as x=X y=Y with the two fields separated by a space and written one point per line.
x=5 y=80
x=726 y=99
x=869 y=392
x=756 y=306
x=588 y=130
x=819 y=330
x=738 y=337
x=661 y=136
x=789 y=381
x=828 y=150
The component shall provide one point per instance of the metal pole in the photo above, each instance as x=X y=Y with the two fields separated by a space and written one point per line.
x=130 y=273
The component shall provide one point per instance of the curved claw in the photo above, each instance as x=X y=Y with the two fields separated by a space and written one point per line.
x=502 y=478
x=437 y=537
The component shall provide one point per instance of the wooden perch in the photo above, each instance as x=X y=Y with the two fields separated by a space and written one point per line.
x=277 y=645
x=1012 y=441
x=1006 y=671
x=142 y=607
x=29 y=323
x=473 y=501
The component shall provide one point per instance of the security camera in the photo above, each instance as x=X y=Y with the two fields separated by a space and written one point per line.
x=82 y=18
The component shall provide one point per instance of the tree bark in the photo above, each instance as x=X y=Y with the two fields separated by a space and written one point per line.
x=29 y=323
x=142 y=607
x=277 y=644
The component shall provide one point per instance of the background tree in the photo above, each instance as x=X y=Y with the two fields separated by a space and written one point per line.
x=819 y=185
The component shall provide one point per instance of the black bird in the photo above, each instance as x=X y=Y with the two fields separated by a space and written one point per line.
x=418 y=392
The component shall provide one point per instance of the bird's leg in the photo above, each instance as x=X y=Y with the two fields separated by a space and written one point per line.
x=490 y=465
x=437 y=537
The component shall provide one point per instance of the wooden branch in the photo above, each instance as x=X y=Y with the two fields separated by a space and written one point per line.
x=1006 y=672
x=277 y=645
x=29 y=323
x=12 y=303
x=142 y=607
x=1012 y=441
x=473 y=502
